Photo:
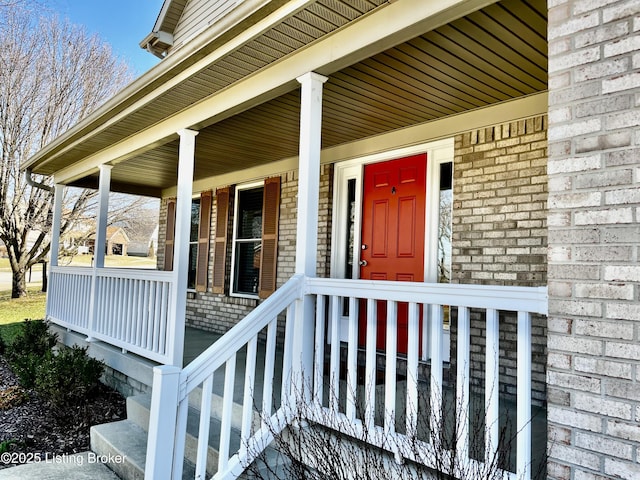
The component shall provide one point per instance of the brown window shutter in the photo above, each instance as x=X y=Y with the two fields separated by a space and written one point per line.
x=220 y=247
x=270 y=215
x=170 y=234
x=204 y=231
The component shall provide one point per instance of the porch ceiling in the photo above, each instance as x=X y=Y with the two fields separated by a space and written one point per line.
x=489 y=56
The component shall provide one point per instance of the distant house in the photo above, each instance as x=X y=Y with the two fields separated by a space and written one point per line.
x=304 y=153
x=144 y=242
x=116 y=242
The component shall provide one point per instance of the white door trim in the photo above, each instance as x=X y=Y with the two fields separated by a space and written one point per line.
x=438 y=152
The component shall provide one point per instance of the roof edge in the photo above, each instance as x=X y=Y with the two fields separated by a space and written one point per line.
x=138 y=88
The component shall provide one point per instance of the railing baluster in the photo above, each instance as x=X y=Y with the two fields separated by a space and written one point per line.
x=120 y=318
x=227 y=406
x=371 y=367
x=203 y=430
x=128 y=316
x=492 y=386
x=287 y=380
x=269 y=365
x=352 y=359
x=523 y=421
x=145 y=314
x=318 y=380
x=463 y=384
x=334 y=364
x=390 y=370
x=436 y=422
x=247 y=401
x=162 y=319
x=140 y=312
x=157 y=316
x=135 y=319
x=181 y=438
x=412 y=370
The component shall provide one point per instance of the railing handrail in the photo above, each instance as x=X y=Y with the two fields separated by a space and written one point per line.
x=499 y=297
x=238 y=336
x=135 y=273
x=115 y=272
x=75 y=270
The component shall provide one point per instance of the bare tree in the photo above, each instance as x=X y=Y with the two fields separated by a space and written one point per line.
x=354 y=449
x=52 y=74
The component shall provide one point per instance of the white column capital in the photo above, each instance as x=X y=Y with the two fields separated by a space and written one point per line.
x=105 y=167
x=311 y=77
x=187 y=132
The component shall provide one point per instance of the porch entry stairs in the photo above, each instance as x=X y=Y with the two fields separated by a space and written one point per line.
x=310 y=383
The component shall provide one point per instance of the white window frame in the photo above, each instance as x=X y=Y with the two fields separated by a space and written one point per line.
x=438 y=152
x=236 y=204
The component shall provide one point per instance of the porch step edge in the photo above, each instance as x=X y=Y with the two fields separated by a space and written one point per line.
x=124 y=444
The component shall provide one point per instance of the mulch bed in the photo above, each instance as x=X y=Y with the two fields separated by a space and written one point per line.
x=34 y=427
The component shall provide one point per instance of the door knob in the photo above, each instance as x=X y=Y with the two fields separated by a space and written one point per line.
x=363 y=263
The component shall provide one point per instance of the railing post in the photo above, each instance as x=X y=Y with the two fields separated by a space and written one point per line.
x=307 y=226
x=163 y=418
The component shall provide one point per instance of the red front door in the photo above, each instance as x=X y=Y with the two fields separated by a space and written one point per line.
x=393 y=232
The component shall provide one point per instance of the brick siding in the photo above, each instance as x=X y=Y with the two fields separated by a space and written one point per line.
x=594 y=240
x=499 y=233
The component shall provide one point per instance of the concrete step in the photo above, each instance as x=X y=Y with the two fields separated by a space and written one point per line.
x=124 y=447
x=138 y=407
x=127 y=440
x=81 y=466
x=125 y=443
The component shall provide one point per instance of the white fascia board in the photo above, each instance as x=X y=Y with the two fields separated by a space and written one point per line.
x=375 y=32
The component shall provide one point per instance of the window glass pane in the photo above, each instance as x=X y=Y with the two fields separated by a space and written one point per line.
x=248 y=243
x=351 y=217
x=249 y=214
x=444 y=223
x=247 y=264
x=195 y=220
x=193 y=262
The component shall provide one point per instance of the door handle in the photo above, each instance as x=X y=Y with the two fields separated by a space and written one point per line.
x=363 y=263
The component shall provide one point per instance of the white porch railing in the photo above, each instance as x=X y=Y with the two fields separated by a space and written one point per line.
x=127 y=308
x=355 y=411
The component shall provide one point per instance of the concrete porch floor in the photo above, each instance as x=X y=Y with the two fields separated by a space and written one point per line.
x=195 y=342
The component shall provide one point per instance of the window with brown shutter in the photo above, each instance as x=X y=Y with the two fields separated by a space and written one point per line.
x=204 y=231
x=220 y=247
x=270 y=216
x=170 y=234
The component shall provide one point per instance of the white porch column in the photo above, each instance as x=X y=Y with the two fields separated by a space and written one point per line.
x=186 y=160
x=307 y=223
x=103 y=211
x=104 y=185
x=309 y=173
x=54 y=248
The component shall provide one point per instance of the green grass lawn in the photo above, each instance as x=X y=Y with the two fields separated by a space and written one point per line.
x=15 y=310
